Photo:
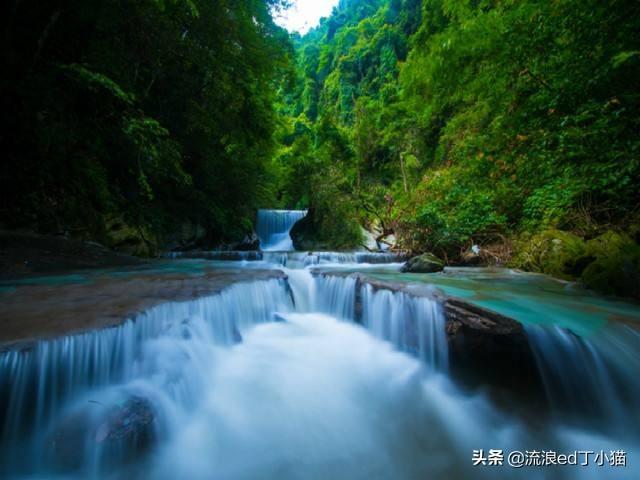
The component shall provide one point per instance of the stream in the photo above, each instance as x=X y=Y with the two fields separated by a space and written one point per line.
x=321 y=375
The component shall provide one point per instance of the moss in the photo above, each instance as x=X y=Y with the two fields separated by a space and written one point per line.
x=616 y=265
x=609 y=263
x=129 y=239
x=425 y=263
x=554 y=252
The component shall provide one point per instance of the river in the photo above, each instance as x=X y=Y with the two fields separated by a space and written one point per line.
x=323 y=375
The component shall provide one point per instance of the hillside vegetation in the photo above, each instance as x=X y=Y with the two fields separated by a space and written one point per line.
x=164 y=124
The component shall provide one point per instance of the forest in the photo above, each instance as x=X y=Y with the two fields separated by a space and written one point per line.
x=240 y=240
x=508 y=125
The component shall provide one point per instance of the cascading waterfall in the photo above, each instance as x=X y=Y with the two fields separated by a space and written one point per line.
x=413 y=324
x=292 y=259
x=284 y=381
x=336 y=296
x=273 y=228
x=591 y=377
x=309 y=259
x=38 y=383
x=317 y=258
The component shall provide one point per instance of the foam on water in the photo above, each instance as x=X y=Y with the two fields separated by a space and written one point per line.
x=36 y=384
x=319 y=378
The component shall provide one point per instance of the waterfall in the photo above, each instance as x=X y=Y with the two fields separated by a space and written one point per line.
x=310 y=259
x=234 y=256
x=336 y=296
x=413 y=324
x=305 y=378
x=293 y=259
x=36 y=384
x=317 y=258
x=274 y=226
x=592 y=377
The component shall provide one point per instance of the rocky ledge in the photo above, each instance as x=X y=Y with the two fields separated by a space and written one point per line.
x=75 y=303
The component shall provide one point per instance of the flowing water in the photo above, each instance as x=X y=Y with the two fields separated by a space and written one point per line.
x=273 y=228
x=315 y=377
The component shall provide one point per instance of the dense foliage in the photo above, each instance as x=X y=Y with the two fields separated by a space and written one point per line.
x=446 y=122
x=455 y=122
x=155 y=114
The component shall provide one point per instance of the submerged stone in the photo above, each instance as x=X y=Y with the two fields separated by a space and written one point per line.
x=116 y=433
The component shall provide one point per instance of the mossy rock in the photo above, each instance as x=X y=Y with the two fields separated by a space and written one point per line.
x=425 y=263
x=306 y=234
x=325 y=232
x=609 y=263
x=554 y=252
x=615 y=268
x=132 y=240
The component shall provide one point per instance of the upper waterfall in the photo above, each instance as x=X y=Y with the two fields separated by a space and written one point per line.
x=274 y=227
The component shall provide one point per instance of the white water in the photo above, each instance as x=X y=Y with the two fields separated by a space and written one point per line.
x=273 y=228
x=415 y=325
x=297 y=260
x=246 y=385
x=591 y=378
x=37 y=384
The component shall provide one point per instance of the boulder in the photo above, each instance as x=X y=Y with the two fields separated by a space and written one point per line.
x=188 y=236
x=250 y=242
x=470 y=259
x=305 y=234
x=489 y=349
x=554 y=252
x=122 y=431
x=609 y=263
x=425 y=263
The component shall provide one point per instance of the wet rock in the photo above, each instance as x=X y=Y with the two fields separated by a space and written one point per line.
x=305 y=234
x=236 y=335
x=115 y=433
x=358 y=307
x=248 y=243
x=486 y=348
x=131 y=422
x=609 y=263
x=425 y=263
x=188 y=237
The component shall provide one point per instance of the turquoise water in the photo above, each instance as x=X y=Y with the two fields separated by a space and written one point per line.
x=165 y=267
x=246 y=383
x=528 y=298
